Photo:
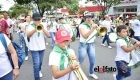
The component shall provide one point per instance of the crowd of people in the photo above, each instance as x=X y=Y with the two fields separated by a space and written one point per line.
x=33 y=31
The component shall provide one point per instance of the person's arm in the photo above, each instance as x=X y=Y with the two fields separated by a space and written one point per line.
x=30 y=31
x=46 y=32
x=135 y=43
x=29 y=34
x=128 y=49
x=57 y=73
x=86 y=33
x=60 y=73
x=14 y=59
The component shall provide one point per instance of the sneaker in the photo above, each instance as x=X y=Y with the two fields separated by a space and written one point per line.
x=26 y=58
x=109 y=47
x=114 y=76
x=93 y=76
x=40 y=74
x=103 y=45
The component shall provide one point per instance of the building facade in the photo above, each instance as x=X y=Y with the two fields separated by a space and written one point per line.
x=126 y=8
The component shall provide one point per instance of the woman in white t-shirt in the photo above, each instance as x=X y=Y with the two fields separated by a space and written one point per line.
x=87 y=45
x=6 y=70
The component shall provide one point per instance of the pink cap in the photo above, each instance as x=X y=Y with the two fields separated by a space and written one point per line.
x=62 y=35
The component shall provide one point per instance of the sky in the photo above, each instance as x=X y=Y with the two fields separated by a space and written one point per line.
x=6 y=4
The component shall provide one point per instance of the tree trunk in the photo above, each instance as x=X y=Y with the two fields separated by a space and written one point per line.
x=39 y=9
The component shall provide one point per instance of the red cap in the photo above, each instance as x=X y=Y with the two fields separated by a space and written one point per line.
x=62 y=35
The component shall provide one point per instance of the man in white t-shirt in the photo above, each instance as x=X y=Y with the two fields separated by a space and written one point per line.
x=124 y=48
x=135 y=23
x=37 y=43
x=106 y=23
x=23 y=28
x=52 y=30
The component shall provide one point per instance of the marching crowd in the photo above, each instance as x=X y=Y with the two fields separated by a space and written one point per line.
x=33 y=31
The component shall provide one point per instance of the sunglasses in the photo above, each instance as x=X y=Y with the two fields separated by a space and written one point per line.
x=88 y=16
x=37 y=19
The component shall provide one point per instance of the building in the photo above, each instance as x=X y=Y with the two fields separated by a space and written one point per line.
x=86 y=5
x=126 y=8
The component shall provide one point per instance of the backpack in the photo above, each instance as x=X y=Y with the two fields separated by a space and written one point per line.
x=19 y=50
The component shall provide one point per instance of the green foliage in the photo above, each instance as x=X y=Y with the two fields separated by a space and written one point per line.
x=21 y=2
x=44 y=5
x=73 y=6
x=17 y=9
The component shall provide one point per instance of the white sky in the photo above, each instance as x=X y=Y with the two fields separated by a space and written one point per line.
x=6 y=4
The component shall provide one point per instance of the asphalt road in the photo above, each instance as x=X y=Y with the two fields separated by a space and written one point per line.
x=104 y=57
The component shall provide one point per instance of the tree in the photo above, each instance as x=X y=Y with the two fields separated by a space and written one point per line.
x=17 y=9
x=106 y=4
x=73 y=7
x=44 y=5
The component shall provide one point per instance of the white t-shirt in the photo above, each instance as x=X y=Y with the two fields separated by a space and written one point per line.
x=53 y=27
x=121 y=54
x=82 y=39
x=107 y=24
x=5 y=66
x=54 y=55
x=23 y=26
x=136 y=27
x=37 y=41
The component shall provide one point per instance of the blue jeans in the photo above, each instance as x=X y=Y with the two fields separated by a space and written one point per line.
x=37 y=57
x=8 y=76
x=106 y=38
x=137 y=38
x=87 y=49
x=52 y=34
x=123 y=70
x=23 y=43
x=21 y=39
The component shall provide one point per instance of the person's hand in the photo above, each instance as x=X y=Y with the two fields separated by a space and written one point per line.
x=91 y=22
x=16 y=73
x=72 y=57
x=137 y=44
x=94 y=26
x=74 y=65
